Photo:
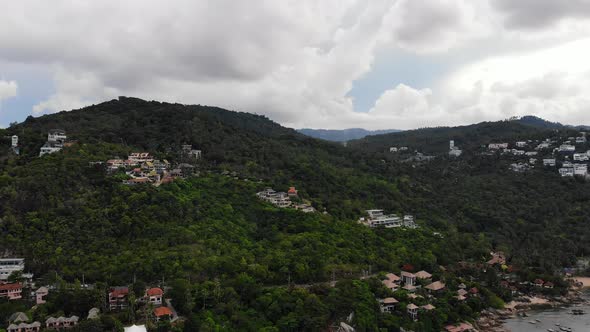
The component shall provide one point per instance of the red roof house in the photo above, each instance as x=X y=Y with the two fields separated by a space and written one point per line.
x=12 y=291
x=154 y=295
x=163 y=313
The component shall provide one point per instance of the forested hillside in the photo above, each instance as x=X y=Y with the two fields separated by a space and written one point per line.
x=233 y=259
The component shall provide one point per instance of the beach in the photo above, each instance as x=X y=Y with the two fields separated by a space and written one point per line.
x=585 y=281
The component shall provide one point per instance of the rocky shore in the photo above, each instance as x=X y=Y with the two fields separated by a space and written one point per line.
x=493 y=320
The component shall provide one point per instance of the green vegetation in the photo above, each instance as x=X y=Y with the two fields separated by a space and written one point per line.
x=235 y=262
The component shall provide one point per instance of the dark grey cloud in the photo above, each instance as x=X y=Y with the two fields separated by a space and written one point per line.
x=538 y=14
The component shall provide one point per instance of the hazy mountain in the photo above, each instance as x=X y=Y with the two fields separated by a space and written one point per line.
x=343 y=135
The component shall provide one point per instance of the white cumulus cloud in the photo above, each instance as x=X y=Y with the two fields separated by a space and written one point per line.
x=7 y=89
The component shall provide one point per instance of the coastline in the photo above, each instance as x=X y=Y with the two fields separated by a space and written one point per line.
x=492 y=320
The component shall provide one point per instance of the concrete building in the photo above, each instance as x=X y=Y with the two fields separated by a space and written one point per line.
x=10 y=265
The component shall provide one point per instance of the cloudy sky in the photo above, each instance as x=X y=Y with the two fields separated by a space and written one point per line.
x=375 y=64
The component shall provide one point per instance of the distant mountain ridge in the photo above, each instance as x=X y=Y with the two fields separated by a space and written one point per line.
x=536 y=121
x=343 y=135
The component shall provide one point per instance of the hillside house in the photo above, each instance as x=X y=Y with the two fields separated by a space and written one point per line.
x=57 y=135
x=61 y=323
x=419 y=157
x=40 y=295
x=566 y=171
x=115 y=164
x=14 y=140
x=520 y=144
x=393 y=277
x=409 y=221
x=18 y=317
x=436 y=286
x=24 y=327
x=118 y=298
x=566 y=148
x=163 y=313
x=498 y=258
x=50 y=147
x=497 y=146
x=140 y=157
x=392 y=281
x=154 y=296
x=11 y=291
x=581 y=157
x=56 y=138
x=408 y=278
x=531 y=153
x=412 y=310
x=392 y=286
x=581 y=140
x=544 y=145
x=392 y=149
x=423 y=275
x=93 y=313
x=428 y=307
x=377 y=218
x=10 y=265
x=188 y=150
x=306 y=208
x=549 y=162
x=292 y=192
x=278 y=199
x=580 y=169
x=454 y=151
x=388 y=304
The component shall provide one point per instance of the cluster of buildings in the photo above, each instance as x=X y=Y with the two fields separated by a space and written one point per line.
x=563 y=153
x=410 y=282
x=56 y=140
x=377 y=218
x=19 y=322
x=394 y=149
x=141 y=167
x=284 y=199
x=118 y=299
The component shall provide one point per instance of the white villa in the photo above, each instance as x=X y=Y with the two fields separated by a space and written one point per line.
x=566 y=171
x=55 y=142
x=377 y=218
x=566 y=148
x=10 y=265
x=497 y=146
x=453 y=150
x=279 y=199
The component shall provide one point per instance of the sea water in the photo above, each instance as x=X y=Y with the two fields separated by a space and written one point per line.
x=549 y=318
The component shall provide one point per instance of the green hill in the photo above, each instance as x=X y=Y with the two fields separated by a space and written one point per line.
x=235 y=255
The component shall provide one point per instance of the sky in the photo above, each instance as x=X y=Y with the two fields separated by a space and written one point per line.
x=373 y=64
